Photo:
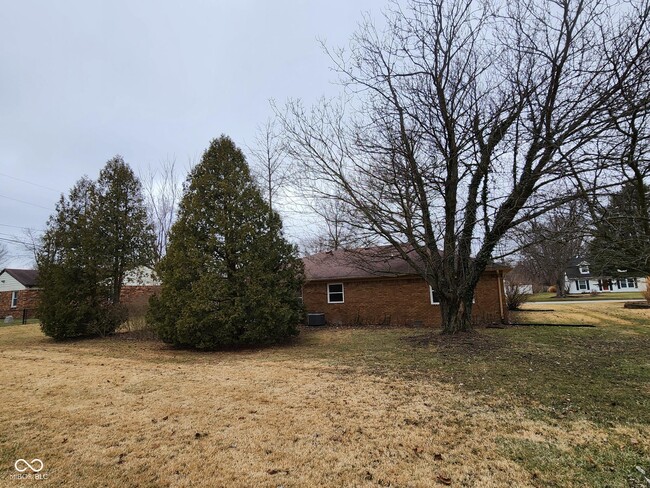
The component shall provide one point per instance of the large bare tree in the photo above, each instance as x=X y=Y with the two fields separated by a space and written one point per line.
x=461 y=120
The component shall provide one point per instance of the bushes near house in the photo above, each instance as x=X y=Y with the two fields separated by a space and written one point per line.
x=515 y=296
x=229 y=276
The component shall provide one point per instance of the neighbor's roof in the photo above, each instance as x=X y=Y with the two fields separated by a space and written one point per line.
x=573 y=268
x=573 y=271
x=373 y=262
x=26 y=277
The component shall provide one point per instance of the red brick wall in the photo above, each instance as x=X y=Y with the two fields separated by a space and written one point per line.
x=396 y=301
x=27 y=299
x=136 y=298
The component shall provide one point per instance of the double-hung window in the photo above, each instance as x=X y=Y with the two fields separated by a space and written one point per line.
x=14 y=299
x=335 y=293
x=628 y=283
x=583 y=284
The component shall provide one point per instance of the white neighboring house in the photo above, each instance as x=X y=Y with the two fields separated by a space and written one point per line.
x=525 y=289
x=141 y=276
x=579 y=279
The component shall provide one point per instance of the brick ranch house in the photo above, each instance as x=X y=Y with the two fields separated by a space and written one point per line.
x=19 y=291
x=350 y=290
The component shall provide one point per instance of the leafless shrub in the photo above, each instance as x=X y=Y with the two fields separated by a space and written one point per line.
x=515 y=296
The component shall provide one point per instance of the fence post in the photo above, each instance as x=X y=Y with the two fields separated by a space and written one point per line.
x=24 y=316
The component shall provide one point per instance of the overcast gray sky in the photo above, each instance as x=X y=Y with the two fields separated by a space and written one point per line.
x=81 y=81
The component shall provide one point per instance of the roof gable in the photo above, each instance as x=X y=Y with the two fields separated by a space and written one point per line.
x=26 y=277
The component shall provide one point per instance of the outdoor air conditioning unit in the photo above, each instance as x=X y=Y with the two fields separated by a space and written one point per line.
x=315 y=319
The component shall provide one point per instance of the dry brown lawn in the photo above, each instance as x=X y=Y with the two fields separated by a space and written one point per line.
x=327 y=410
x=599 y=313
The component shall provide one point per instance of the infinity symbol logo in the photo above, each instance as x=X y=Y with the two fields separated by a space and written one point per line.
x=28 y=466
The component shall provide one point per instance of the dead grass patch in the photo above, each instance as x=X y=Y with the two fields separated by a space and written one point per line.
x=231 y=421
x=375 y=407
x=595 y=313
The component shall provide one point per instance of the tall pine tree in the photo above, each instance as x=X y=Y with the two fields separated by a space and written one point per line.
x=129 y=241
x=69 y=266
x=229 y=276
x=97 y=233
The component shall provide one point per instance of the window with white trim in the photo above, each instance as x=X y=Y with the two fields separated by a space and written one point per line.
x=583 y=284
x=583 y=268
x=433 y=296
x=14 y=299
x=335 y=293
x=627 y=283
x=436 y=301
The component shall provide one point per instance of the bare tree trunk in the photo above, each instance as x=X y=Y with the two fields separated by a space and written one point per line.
x=456 y=314
x=559 y=285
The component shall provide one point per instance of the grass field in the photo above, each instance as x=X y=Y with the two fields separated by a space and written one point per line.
x=519 y=406
x=551 y=297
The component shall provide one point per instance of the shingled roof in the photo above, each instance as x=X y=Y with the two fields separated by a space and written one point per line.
x=26 y=277
x=573 y=271
x=373 y=262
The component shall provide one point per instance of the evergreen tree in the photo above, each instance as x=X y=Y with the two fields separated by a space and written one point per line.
x=69 y=267
x=229 y=276
x=96 y=234
x=123 y=224
x=622 y=233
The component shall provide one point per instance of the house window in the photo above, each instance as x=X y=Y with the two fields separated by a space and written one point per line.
x=335 y=293
x=433 y=296
x=583 y=284
x=14 y=299
x=628 y=283
x=584 y=268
